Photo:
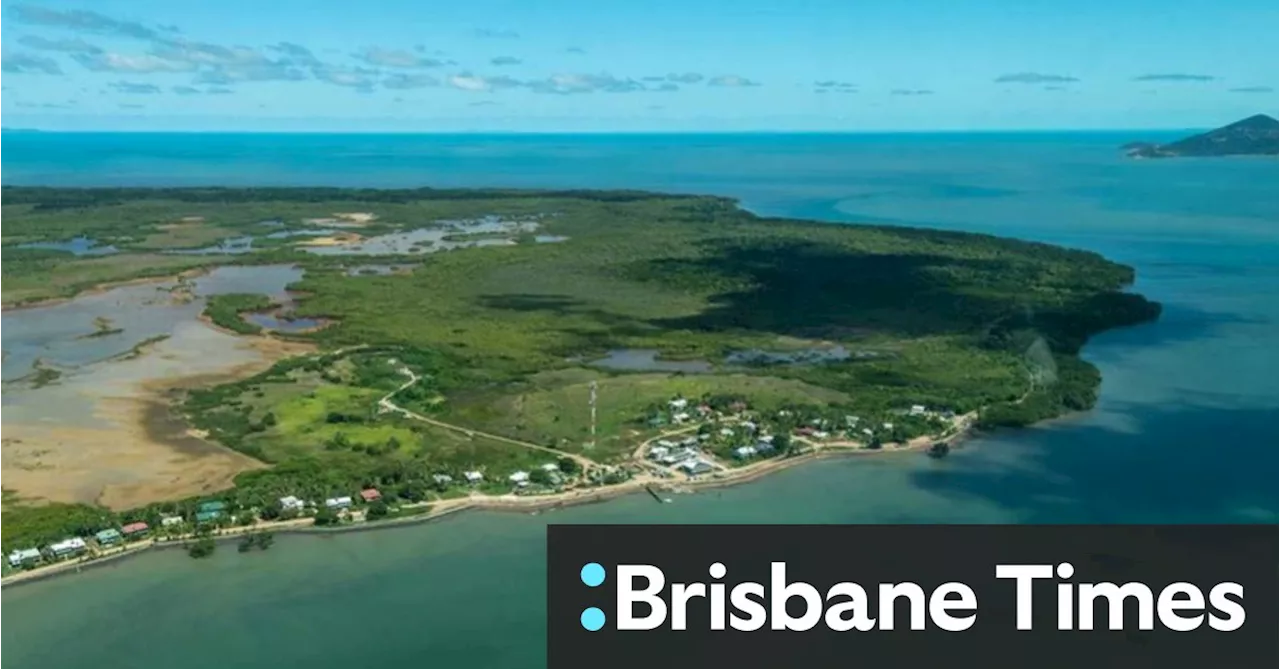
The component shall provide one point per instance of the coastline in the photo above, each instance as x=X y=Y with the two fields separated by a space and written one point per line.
x=450 y=507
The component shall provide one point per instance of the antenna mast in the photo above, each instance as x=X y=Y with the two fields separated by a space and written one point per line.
x=593 y=413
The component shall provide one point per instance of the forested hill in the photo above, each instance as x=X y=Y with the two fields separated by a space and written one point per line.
x=1257 y=135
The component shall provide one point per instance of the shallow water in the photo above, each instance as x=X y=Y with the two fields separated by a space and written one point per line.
x=646 y=360
x=57 y=335
x=1185 y=430
x=80 y=246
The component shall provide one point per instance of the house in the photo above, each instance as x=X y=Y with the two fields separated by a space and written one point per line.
x=519 y=478
x=704 y=409
x=851 y=420
x=473 y=476
x=207 y=516
x=678 y=403
x=135 y=529
x=766 y=438
x=215 y=505
x=888 y=426
x=666 y=443
x=689 y=441
x=551 y=467
x=680 y=417
x=751 y=427
x=370 y=495
x=24 y=556
x=744 y=452
x=108 y=537
x=442 y=479
x=658 y=451
x=170 y=521
x=764 y=447
x=338 y=503
x=867 y=431
x=694 y=467
x=917 y=410
x=726 y=432
x=820 y=434
x=804 y=431
x=291 y=503
x=72 y=546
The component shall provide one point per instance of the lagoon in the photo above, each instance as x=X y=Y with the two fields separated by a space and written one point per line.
x=1185 y=430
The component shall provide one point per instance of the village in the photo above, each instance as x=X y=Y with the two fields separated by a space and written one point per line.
x=710 y=438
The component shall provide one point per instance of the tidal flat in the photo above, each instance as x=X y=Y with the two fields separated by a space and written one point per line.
x=102 y=433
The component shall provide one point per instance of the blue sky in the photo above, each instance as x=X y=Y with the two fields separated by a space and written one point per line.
x=649 y=65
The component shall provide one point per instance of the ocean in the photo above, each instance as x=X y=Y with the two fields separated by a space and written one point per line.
x=1183 y=432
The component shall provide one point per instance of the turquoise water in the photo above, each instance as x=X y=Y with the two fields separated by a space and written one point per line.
x=1184 y=431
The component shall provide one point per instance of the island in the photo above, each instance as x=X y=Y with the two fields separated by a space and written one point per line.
x=322 y=357
x=1257 y=135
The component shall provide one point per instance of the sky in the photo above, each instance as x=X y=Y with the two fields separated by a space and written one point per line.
x=635 y=66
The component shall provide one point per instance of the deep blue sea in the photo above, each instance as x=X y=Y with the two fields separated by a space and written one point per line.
x=1185 y=431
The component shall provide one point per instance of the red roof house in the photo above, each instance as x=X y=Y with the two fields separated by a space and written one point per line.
x=134 y=528
x=370 y=494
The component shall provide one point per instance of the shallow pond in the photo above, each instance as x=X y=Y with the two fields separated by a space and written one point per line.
x=80 y=246
x=432 y=239
x=646 y=360
x=807 y=356
x=59 y=333
x=376 y=270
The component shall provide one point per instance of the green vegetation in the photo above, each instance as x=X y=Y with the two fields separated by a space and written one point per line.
x=500 y=338
x=225 y=310
x=202 y=547
x=26 y=526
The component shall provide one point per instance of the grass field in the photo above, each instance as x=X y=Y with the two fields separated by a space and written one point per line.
x=552 y=409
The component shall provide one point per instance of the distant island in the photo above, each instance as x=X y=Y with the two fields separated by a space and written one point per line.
x=1254 y=136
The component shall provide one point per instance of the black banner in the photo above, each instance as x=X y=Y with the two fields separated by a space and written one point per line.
x=817 y=596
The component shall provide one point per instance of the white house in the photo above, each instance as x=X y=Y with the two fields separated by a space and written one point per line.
x=442 y=479
x=658 y=451
x=666 y=443
x=917 y=410
x=291 y=503
x=170 y=521
x=24 y=556
x=726 y=432
x=473 y=476
x=888 y=426
x=551 y=467
x=338 y=502
x=744 y=452
x=679 y=403
x=766 y=438
x=680 y=417
x=867 y=431
x=519 y=478
x=67 y=547
x=751 y=427
x=689 y=441
x=819 y=434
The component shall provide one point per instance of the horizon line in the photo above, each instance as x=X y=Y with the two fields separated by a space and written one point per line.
x=832 y=131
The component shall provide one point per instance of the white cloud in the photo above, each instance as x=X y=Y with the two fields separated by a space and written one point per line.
x=69 y=45
x=398 y=58
x=26 y=63
x=731 y=81
x=140 y=64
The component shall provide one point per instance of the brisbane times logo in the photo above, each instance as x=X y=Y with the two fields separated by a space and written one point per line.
x=1000 y=596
